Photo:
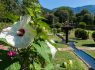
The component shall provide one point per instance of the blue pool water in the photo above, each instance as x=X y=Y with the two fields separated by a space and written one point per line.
x=84 y=56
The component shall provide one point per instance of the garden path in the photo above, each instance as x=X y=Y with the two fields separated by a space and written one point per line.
x=3 y=48
x=80 y=48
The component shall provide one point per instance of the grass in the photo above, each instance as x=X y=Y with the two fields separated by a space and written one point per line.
x=69 y=55
x=82 y=43
x=59 y=43
x=65 y=56
x=54 y=37
x=92 y=53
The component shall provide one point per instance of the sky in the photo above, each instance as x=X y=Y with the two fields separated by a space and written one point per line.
x=51 y=4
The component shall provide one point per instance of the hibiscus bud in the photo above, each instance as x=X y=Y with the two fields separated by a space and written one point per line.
x=20 y=32
x=11 y=53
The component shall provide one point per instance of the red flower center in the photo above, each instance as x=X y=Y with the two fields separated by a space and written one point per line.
x=20 y=32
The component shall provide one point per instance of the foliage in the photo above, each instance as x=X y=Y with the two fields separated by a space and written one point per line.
x=49 y=19
x=82 y=25
x=58 y=25
x=84 y=11
x=4 y=25
x=54 y=30
x=11 y=17
x=68 y=9
x=88 y=19
x=63 y=15
x=94 y=20
x=58 y=30
x=93 y=36
x=37 y=54
x=81 y=33
x=85 y=16
x=11 y=8
x=64 y=57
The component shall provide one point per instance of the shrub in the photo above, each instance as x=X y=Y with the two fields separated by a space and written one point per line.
x=81 y=33
x=54 y=30
x=82 y=25
x=84 y=34
x=93 y=36
x=58 y=30
x=57 y=25
x=77 y=33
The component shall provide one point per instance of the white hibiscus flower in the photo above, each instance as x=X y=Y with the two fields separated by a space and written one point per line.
x=52 y=48
x=20 y=34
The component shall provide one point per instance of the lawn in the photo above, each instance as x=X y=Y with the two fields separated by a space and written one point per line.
x=92 y=53
x=64 y=56
x=69 y=55
x=58 y=41
x=82 y=43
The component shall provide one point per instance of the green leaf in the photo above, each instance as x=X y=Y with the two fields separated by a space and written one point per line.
x=6 y=61
x=43 y=24
x=14 y=66
x=37 y=66
x=49 y=67
x=42 y=50
x=45 y=47
x=30 y=11
x=11 y=16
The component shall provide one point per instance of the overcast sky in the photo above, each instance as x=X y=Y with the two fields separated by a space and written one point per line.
x=50 y=4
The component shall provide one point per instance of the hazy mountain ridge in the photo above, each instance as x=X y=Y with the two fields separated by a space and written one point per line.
x=90 y=8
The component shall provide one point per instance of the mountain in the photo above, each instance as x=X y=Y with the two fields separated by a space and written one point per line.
x=46 y=10
x=90 y=8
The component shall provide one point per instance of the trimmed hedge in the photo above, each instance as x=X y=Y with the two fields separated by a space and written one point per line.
x=81 y=33
x=82 y=25
x=93 y=35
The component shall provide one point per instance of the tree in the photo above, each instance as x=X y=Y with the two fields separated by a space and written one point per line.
x=88 y=19
x=84 y=11
x=94 y=20
x=2 y=11
x=49 y=19
x=66 y=8
x=85 y=16
x=82 y=25
x=9 y=7
x=63 y=15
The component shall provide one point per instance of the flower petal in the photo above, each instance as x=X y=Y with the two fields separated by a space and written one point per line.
x=52 y=48
x=10 y=34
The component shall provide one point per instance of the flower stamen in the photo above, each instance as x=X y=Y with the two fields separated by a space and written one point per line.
x=20 y=32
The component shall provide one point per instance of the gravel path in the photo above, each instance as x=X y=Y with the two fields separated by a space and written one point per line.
x=80 y=48
x=3 y=48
